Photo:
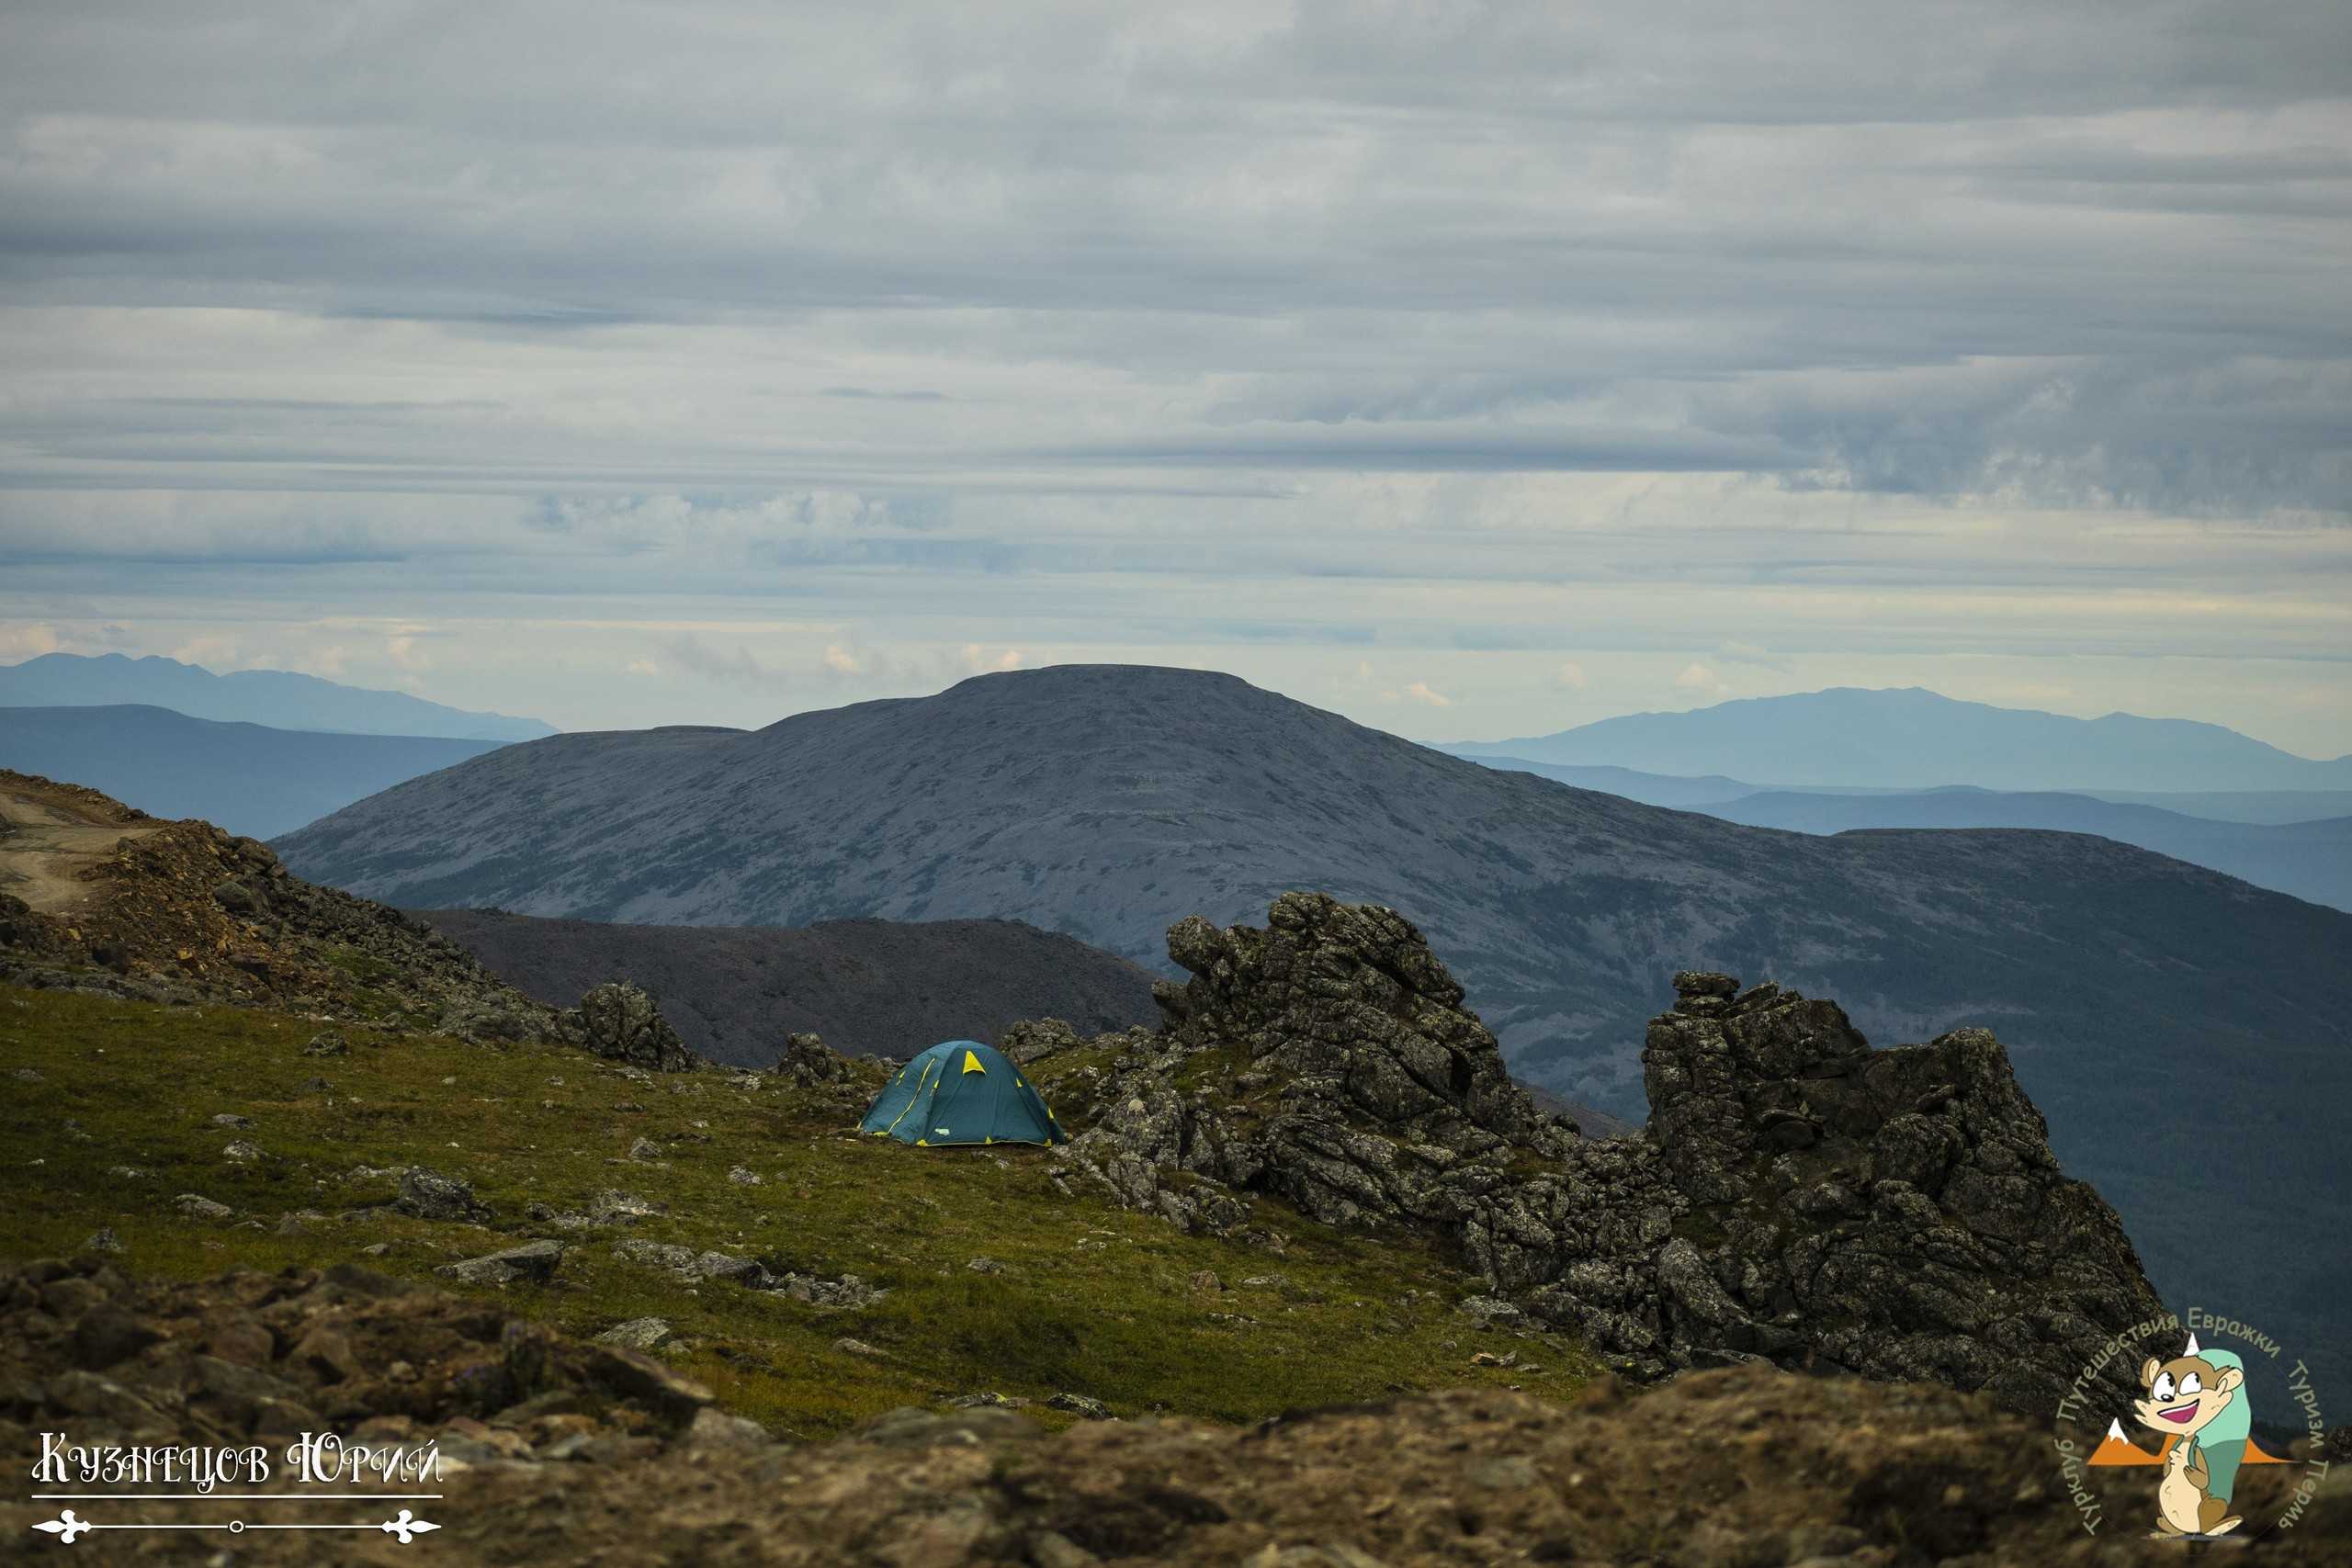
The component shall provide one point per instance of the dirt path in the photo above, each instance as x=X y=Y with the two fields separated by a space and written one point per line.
x=48 y=836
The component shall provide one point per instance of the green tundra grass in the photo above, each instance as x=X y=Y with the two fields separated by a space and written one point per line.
x=1090 y=1299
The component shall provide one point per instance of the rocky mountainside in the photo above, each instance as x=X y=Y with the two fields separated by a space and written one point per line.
x=2309 y=859
x=1796 y=1198
x=97 y=897
x=248 y=779
x=1110 y=802
x=870 y=988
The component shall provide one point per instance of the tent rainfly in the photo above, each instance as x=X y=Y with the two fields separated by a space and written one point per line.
x=961 y=1092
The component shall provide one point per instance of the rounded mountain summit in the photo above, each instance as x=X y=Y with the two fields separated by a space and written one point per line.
x=1111 y=801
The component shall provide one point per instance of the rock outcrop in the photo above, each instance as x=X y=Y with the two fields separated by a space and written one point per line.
x=623 y=1022
x=1797 y=1196
x=182 y=912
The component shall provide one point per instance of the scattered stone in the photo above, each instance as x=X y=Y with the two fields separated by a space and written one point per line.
x=197 y=1207
x=716 y=1428
x=103 y=1239
x=26 y=1074
x=1082 y=1405
x=613 y=1207
x=646 y=1151
x=849 y=1346
x=535 y=1261
x=243 y=1153
x=985 y=1266
x=429 y=1195
x=327 y=1043
x=637 y=1333
x=742 y=1178
x=231 y=1119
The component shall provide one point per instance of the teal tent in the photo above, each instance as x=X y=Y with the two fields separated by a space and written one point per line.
x=961 y=1092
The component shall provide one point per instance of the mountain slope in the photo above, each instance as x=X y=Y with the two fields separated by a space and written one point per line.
x=277 y=698
x=2309 y=859
x=245 y=778
x=870 y=988
x=1109 y=801
x=1911 y=738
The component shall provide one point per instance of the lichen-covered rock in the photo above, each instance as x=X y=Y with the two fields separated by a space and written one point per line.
x=429 y=1195
x=1797 y=1197
x=622 y=1021
x=808 y=1062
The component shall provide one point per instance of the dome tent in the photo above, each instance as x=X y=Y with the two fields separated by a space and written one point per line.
x=961 y=1092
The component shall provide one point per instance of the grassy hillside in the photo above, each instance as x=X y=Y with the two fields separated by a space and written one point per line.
x=1090 y=1300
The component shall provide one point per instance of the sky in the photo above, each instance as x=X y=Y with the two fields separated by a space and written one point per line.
x=1475 y=370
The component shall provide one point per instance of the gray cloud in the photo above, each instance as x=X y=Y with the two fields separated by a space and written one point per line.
x=1121 y=328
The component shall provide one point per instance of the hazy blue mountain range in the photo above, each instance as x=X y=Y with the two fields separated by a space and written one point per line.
x=247 y=778
x=2309 y=859
x=275 y=698
x=1910 y=738
x=1651 y=789
x=2142 y=998
x=1703 y=793
x=2266 y=805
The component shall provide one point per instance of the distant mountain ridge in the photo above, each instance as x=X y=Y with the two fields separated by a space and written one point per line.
x=247 y=778
x=280 y=698
x=1914 y=738
x=2309 y=860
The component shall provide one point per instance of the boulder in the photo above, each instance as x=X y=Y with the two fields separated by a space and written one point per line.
x=621 y=1022
x=533 y=1261
x=429 y=1195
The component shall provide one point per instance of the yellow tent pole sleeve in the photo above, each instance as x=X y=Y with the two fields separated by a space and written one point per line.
x=910 y=1105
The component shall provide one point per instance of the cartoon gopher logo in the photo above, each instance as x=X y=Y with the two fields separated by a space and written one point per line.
x=2198 y=1401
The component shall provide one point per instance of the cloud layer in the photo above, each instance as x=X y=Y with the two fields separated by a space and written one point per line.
x=1921 y=342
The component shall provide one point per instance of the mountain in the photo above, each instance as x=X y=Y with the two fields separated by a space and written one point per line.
x=2309 y=859
x=247 y=778
x=1912 y=738
x=276 y=697
x=869 y=988
x=1650 y=789
x=1109 y=802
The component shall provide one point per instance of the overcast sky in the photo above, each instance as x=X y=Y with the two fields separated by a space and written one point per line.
x=1473 y=369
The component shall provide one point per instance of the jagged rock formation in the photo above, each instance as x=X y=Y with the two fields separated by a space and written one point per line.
x=1797 y=1197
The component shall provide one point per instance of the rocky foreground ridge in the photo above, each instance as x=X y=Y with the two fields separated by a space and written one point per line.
x=552 y=1450
x=1797 y=1198
x=179 y=911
